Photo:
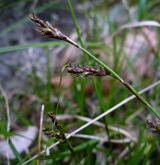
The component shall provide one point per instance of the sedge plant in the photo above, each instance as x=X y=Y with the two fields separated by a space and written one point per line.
x=47 y=30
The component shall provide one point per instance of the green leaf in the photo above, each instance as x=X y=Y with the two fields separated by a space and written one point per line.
x=15 y=152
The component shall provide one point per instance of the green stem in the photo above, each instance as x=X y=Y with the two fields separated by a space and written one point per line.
x=75 y=23
x=77 y=28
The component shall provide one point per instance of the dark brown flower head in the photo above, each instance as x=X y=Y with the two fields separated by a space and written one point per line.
x=48 y=131
x=57 y=130
x=52 y=133
x=86 y=71
x=52 y=116
x=154 y=125
x=47 y=30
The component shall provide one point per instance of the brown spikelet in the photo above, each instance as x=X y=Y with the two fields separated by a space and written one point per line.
x=52 y=116
x=86 y=71
x=154 y=125
x=47 y=30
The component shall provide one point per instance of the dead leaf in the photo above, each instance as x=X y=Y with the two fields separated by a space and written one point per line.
x=22 y=140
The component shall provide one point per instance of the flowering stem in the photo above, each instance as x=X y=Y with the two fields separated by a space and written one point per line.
x=125 y=83
x=46 y=29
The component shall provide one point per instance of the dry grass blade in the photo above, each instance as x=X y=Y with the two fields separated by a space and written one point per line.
x=136 y=25
x=40 y=131
x=97 y=123
x=102 y=139
x=140 y=24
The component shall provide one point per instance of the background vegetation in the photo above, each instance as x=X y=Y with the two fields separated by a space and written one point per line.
x=122 y=34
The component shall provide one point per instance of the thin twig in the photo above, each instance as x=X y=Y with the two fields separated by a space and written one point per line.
x=40 y=130
x=97 y=123
x=102 y=139
x=97 y=118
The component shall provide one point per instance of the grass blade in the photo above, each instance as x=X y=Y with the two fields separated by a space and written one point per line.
x=15 y=152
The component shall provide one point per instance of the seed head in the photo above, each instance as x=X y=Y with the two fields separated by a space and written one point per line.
x=86 y=71
x=47 y=30
x=154 y=125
